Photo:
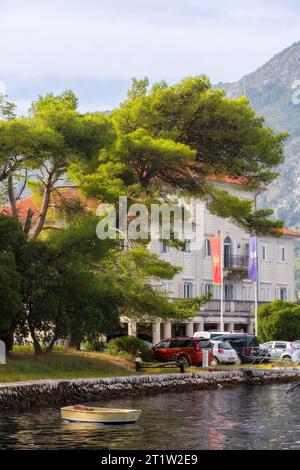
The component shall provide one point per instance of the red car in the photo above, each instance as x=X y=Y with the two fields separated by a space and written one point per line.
x=188 y=348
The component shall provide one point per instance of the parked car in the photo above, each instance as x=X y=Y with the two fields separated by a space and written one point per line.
x=247 y=347
x=224 y=353
x=280 y=349
x=209 y=334
x=190 y=349
x=296 y=352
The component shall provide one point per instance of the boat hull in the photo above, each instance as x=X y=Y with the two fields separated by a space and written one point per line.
x=100 y=415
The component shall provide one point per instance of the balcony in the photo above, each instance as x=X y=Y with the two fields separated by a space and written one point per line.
x=235 y=262
x=231 y=307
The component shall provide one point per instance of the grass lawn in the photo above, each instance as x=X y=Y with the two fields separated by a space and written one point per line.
x=61 y=365
x=75 y=365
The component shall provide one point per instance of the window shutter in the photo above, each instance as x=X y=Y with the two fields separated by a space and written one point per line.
x=196 y=289
x=181 y=289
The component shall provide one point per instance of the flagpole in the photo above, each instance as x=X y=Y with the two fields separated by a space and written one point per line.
x=256 y=291
x=222 y=290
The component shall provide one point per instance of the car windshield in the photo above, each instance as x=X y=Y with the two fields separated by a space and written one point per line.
x=224 y=346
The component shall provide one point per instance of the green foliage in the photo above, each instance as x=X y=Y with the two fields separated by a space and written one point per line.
x=7 y=109
x=171 y=137
x=10 y=291
x=127 y=344
x=228 y=137
x=12 y=240
x=95 y=345
x=279 y=320
x=241 y=212
x=29 y=348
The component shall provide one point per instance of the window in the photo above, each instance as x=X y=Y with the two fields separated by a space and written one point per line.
x=228 y=292
x=247 y=293
x=187 y=246
x=162 y=345
x=166 y=286
x=254 y=343
x=208 y=289
x=281 y=253
x=227 y=252
x=280 y=345
x=188 y=290
x=247 y=249
x=165 y=248
x=182 y=343
x=224 y=346
x=265 y=256
x=214 y=290
x=207 y=247
x=282 y=293
x=265 y=294
x=204 y=344
x=236 y=342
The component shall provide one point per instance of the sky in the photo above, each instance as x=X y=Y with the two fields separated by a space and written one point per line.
x=94 y=47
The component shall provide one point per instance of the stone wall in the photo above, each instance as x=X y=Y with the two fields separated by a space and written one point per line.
x=24 y=395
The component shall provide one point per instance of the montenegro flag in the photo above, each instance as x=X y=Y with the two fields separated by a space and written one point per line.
x=215 y=245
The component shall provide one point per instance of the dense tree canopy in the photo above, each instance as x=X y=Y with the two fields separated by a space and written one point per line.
x=279 y=319
x=171 y=138
x=73 y=284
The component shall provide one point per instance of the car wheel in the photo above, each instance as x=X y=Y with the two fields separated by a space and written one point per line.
x=287 y=358
x=184 y=360
x=215 y=362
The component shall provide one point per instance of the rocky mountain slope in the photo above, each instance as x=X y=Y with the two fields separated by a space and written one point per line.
x=274 y=92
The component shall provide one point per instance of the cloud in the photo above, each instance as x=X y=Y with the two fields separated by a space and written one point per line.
x=117 y=39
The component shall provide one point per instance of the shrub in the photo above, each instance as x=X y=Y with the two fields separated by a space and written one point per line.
x=129 y=345
x=28 y=348
x=97 y=346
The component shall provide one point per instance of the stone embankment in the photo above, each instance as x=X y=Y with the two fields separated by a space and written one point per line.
x=24 y=395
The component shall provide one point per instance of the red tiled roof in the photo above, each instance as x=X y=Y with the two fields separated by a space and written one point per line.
x=229 y=179
x=23 y=205
x=290 y=233
x=65 y=195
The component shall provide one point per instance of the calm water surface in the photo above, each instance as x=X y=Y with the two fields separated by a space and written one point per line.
x=240 y=418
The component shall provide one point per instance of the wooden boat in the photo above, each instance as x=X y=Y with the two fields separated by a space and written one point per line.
x=88 y=414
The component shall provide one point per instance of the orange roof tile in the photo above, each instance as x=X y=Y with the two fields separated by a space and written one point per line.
x=291 y=233
x=23 y=205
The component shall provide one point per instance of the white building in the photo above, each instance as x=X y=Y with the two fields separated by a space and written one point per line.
x=275 y=274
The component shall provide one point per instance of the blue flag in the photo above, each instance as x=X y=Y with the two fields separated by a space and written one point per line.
x=252 y=262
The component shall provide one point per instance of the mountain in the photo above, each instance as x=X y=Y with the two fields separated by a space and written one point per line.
x=271 y=94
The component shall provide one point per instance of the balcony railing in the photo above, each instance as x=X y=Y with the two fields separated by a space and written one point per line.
x=236 y=262
x=230 y=306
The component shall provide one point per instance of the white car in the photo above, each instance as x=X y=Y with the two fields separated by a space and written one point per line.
x=224 y=353
x=280 y=349
x=296 y=353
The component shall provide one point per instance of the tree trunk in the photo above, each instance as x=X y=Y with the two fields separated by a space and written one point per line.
x=11 y=195
x=51 y=344
x=36 y=344
x=73 y=342
x=44 y=209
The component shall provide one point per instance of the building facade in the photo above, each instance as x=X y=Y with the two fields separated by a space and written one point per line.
x=275 y=273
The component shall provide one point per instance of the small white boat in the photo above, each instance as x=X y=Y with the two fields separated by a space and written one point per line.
x=95 y=414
